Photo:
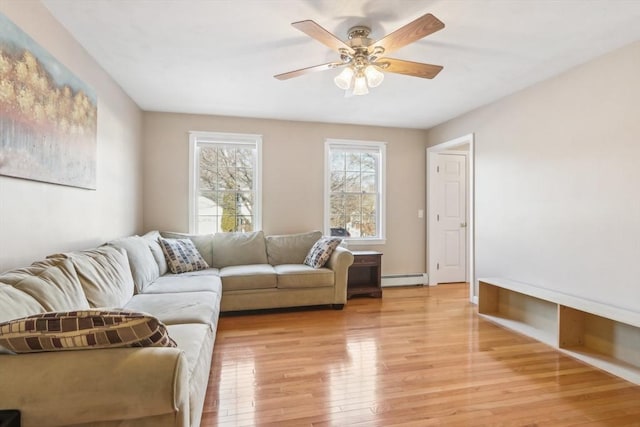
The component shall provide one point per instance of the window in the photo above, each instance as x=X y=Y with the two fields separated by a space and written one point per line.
x=354 y=190
x=225 y=192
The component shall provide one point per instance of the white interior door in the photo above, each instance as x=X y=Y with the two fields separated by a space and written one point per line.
x=451 y=218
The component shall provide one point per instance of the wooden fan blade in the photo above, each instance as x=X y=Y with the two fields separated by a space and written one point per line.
x=421 y=27
x=302 y=71
x=416 y=69
x=315 y=31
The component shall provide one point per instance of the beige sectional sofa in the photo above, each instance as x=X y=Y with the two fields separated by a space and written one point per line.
x=259 y=271
x=150 y=386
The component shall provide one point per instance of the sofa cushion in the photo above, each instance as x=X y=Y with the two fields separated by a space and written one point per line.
x=207 y=280
x=191 y=338
x=53 y=283
x=152 y=239
x=196 y=341
x=184 y=307
x=203 y=243
x=14 y=303
x=144 y=267
x=238 y=249
x=290 y=248
x=105 y=275
x=182 y=255
x=321 y=251
x=254 y=276
x=303 y=276
x=80 y=330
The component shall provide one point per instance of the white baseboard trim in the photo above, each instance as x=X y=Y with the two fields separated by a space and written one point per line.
x=404 y=280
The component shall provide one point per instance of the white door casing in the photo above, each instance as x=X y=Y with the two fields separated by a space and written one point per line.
x=464 y=145
x=451 y=218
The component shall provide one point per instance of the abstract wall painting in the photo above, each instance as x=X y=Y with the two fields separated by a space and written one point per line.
x=48 y=117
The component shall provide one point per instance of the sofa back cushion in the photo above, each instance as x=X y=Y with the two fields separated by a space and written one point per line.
x=290 y=248
x=104 y=274
x=14 y=304
x=144 y=267
x=53 y=283
x=202 y=242
x=153 y=240
x=238 y=249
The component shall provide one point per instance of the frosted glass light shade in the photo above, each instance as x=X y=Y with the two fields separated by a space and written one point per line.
x=374 y=76
x=343 y=80
x=360 y=85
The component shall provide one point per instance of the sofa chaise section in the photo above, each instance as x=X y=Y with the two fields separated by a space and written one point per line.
x=153 y=386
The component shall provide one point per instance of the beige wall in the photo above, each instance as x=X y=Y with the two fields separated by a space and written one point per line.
x=37 y=219
x=557 y=181
x=293 y=173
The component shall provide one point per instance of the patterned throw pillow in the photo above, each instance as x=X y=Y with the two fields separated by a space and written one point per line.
x=321 y=251
x=182 y=255
x=81 y=330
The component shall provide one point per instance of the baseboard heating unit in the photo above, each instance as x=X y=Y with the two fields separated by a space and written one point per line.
x=405 y=280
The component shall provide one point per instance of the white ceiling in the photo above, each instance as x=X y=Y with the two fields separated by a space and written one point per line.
x=219 y=56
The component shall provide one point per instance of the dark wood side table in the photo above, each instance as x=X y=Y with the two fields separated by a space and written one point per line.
x=365 y=274
x=9 y=418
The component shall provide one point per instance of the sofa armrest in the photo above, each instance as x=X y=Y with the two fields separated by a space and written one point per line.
x=89 y=386
x=340 y=260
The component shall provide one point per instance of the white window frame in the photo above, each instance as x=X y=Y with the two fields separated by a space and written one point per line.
x=198 y=137
x=382 y=178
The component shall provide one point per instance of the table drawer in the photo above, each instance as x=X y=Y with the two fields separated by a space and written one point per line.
x=366 y=260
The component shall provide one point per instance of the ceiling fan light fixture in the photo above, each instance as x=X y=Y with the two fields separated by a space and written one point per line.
x=373 y=75
x=362 y=58
x=343 y=80
x=360 y=85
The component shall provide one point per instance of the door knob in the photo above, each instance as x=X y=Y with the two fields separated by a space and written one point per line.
x=463 y=224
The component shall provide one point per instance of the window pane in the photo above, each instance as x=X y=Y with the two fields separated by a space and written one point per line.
x=336 y=158
x=352 y=204
x=208 y=166
x=226 y=157
x=244 y=158
x=369 y=161
x=369 y=204
x=207 y=223
x=337 y=181
x=339 y=226
x=352 y=184
x=243 y=179
x=229 y=211
x=353 y=225
x=369 y=183
x=226 y=179
x=337 y=205
x=244 y=202
x=353 y=162
x=208 y=155
x=368 y=228
x=243 y=224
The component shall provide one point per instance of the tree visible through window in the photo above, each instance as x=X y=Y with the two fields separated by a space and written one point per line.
x=226 y=190
x=355 y=190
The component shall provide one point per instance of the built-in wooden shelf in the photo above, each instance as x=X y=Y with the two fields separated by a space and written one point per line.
x=604 y=336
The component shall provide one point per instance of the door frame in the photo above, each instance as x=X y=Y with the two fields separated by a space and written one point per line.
x=432 y=153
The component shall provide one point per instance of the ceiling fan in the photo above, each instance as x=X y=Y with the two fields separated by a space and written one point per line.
x=363 y=59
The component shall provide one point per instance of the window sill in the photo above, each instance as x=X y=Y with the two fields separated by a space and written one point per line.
x=363 y=242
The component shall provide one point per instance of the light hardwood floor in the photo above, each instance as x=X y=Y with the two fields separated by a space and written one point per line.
x=416 y=357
